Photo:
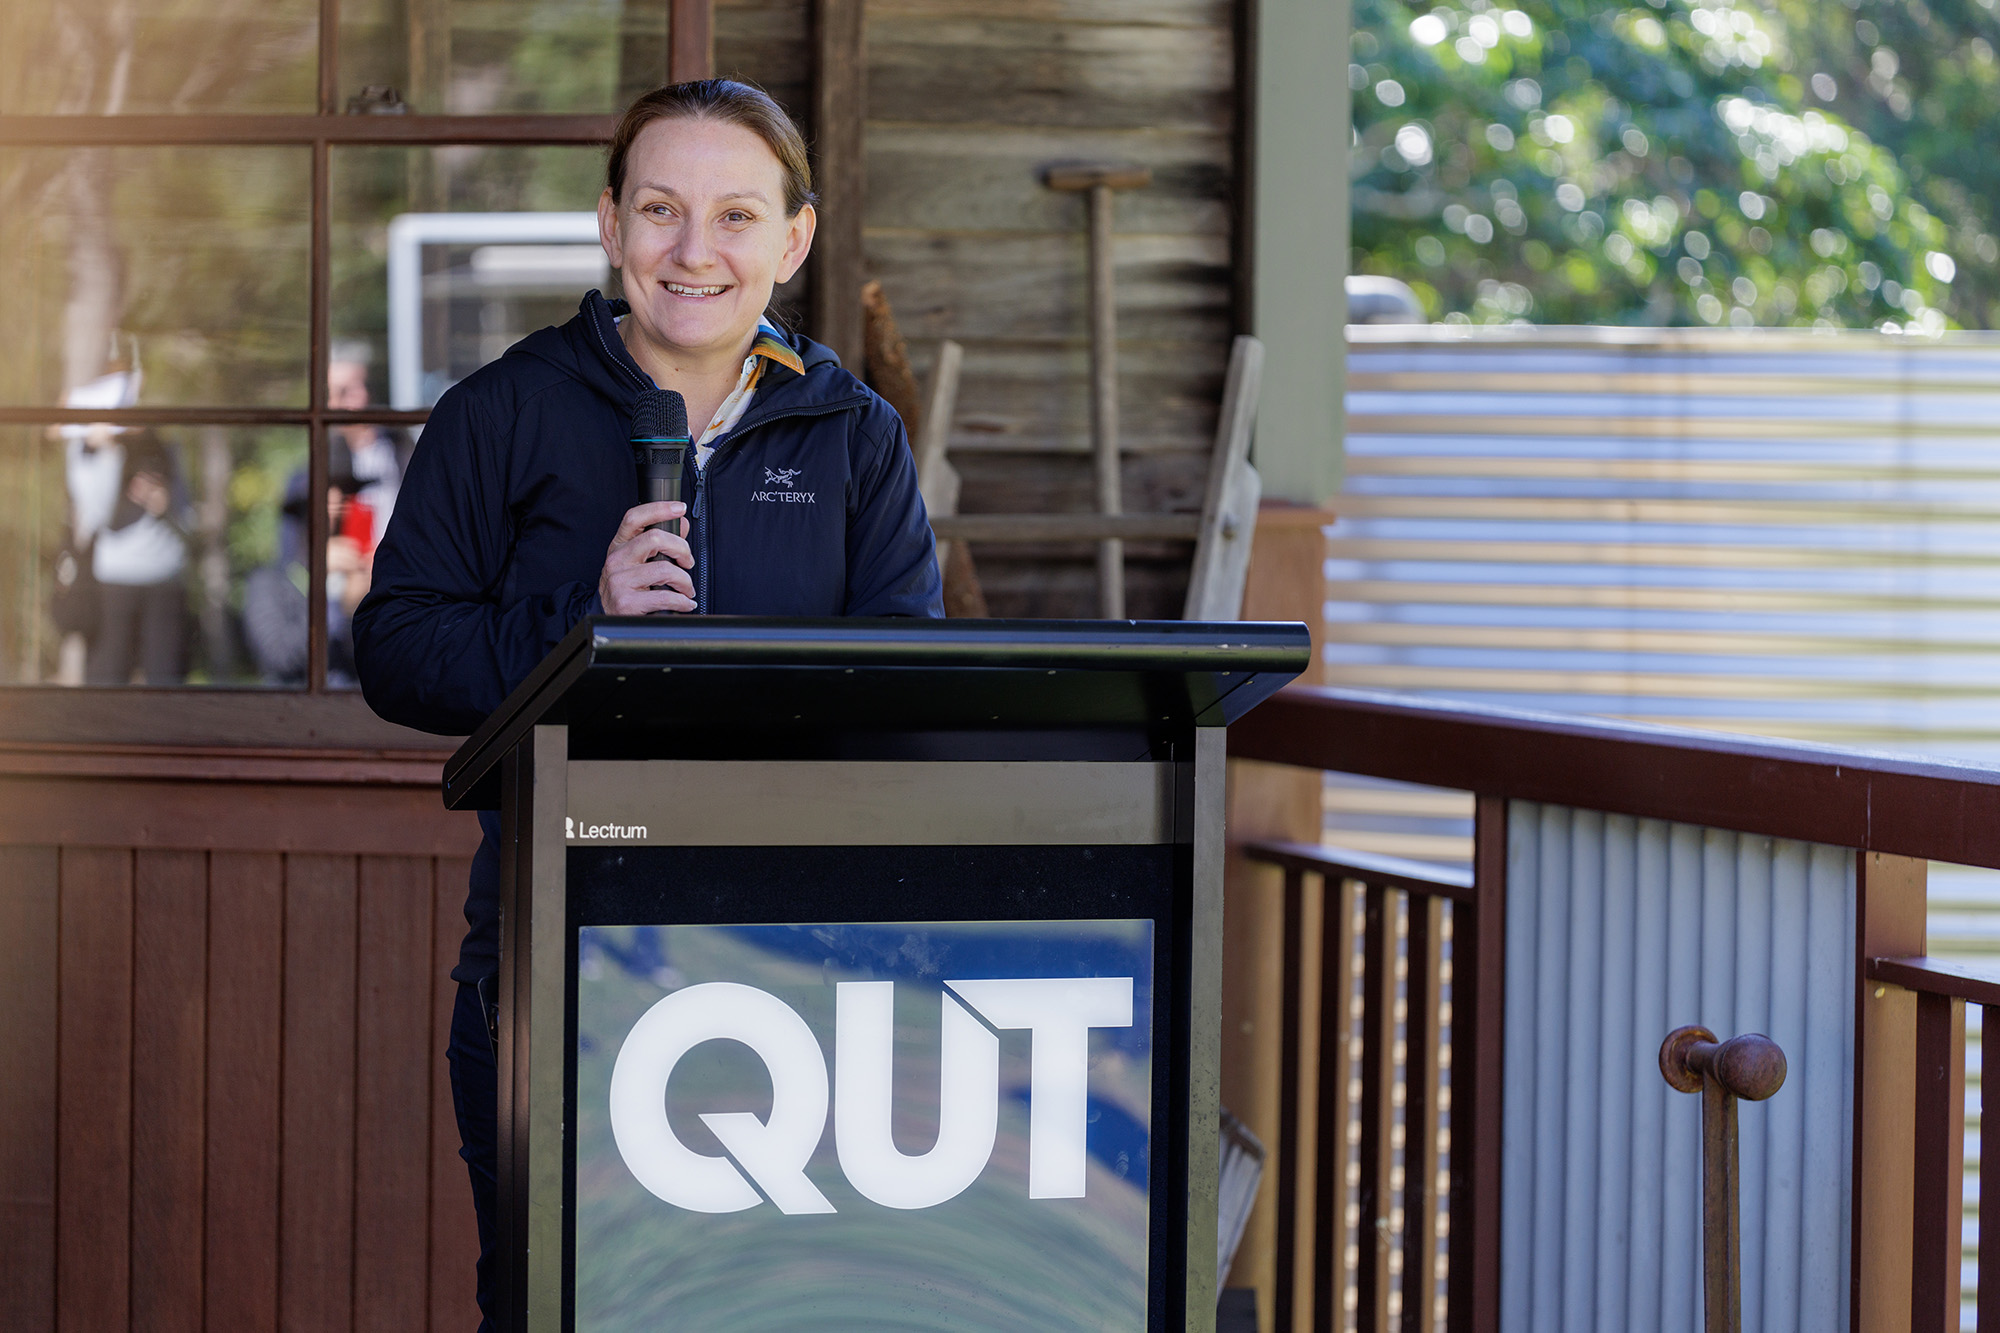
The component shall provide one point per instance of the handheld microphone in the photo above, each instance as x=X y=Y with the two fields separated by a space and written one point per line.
x=660 y=444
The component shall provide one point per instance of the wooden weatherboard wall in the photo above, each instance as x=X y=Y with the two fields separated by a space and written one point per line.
x=966 y=101
x=226 y=1103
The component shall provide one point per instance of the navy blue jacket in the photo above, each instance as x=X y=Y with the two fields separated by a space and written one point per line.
x=809 y=507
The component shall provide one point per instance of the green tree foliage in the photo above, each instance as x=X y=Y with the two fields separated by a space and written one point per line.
x=1922 y=80
x=1574 y=161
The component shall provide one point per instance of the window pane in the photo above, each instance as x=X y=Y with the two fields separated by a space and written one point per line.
x=482 y=246
x=161 y=557
x=158 y=57
x=485 y=57
x=191 y=260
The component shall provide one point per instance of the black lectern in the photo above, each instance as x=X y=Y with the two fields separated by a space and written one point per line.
x=864 y=974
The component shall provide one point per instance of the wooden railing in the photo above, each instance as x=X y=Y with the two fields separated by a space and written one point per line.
x=1403 y=914
x=1445 y=1097
x=1943 y=990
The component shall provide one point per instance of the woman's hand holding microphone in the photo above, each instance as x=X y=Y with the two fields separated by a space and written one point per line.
x=636 y=581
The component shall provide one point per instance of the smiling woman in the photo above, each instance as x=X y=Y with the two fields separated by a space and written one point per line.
x=516 y=518
x=707 y=207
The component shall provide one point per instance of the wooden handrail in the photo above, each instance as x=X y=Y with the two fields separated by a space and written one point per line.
x=1416 y=877
x=1934 y=976
x=1786 y=789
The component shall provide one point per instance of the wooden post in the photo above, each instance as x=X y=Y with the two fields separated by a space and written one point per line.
x=1287 y=581
x=840 y=114
x=1889 y=922
x=690 y=40
x=1099 y=182
x=1478 y=1041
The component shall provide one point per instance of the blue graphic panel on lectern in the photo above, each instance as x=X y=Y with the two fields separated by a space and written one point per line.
x=935 y=1126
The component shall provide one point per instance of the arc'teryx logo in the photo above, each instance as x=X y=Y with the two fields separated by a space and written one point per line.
x=1058 y=1013
x=791 y=495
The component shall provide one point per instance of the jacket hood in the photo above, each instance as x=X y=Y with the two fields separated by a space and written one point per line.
x=589 y=350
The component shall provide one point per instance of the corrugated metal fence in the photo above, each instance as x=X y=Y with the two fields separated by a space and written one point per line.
x=1767 y=532
x=1618 y=931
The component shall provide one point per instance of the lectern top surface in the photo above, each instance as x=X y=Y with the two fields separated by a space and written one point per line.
x=745 y=687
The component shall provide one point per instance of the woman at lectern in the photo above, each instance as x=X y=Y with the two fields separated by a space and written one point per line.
x=516 y=518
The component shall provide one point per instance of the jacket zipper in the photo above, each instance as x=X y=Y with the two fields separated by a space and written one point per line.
x=697 y=523
x=697 y=512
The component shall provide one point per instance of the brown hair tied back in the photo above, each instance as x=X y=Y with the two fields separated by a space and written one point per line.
x=724 y=100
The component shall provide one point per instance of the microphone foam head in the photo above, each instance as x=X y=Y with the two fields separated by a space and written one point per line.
x=661 y=414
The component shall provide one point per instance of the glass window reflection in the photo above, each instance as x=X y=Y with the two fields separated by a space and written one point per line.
x=158 y=57
x=152 y=556
x=191 y=262
x=457 y=57
x=445 y=257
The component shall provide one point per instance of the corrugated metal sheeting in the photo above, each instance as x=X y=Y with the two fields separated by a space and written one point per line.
x=1768 y=532
x=1620 y=930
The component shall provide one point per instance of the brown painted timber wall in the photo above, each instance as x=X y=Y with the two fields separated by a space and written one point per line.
x=224 y=1102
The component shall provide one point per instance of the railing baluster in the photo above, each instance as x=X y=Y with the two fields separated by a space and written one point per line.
x=1989 y=1148
x=1335 y=1068
x=1422 y=1032
x=1327 y=1119
x=1378 y=1112
x=1287 y=1238
x=1478 y=1003
x=1933 y=1260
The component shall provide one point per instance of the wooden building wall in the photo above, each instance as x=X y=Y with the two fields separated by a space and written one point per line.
x=223 y=994
x=223 y=1008
x=967 y=101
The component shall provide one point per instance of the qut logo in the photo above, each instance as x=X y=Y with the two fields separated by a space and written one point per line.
x=1057 y=1012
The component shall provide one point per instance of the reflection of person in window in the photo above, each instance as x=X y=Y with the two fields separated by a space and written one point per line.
x=377 y=454
x=137 y=559
x=275 y=608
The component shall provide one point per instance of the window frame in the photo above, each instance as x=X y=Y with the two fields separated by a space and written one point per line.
x=314 y=717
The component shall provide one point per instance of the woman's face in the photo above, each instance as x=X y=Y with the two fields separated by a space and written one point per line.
x=701 y=235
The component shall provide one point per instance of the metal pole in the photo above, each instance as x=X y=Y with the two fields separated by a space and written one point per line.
x=1750 y=1066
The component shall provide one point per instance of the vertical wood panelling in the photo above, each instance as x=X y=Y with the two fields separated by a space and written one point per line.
x=246 y=949
x=169 y=1007
x=94 y=1075
x=28 y=1091
x=454 y=1240
x=224 y=1099
x=392 y=1123
x=316 y=1226
x=1688 y=925
x=967 y=101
